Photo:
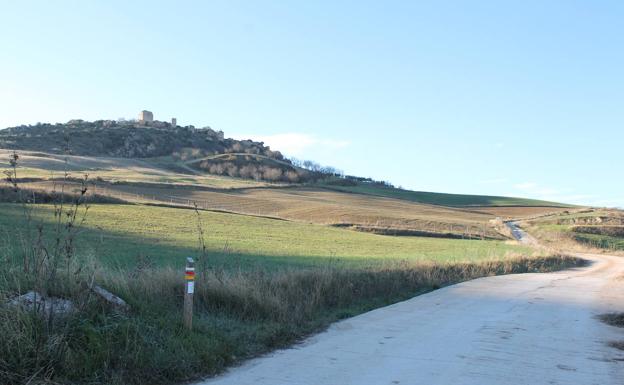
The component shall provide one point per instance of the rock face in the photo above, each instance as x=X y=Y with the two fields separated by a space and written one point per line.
x=42 y=305
x=125 y=139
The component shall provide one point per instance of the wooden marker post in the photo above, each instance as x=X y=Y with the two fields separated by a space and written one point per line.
x=189 y=278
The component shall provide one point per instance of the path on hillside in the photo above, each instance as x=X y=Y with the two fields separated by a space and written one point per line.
x=514 y=329
x=520 y=235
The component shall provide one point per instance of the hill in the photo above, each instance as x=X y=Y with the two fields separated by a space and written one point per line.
x=445 y=199
x=188 y=150
x=201 y=149
x=365 y=206
x=126 y=139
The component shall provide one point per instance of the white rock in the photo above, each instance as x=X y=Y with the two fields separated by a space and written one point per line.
x=43 y=305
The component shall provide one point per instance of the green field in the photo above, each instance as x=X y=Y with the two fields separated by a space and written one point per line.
x=444 y=199
x=121 y=234
x=600 y=241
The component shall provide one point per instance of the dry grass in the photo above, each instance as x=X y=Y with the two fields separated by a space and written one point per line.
x=238 y=314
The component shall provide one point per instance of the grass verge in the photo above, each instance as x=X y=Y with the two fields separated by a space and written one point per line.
x=238 y=314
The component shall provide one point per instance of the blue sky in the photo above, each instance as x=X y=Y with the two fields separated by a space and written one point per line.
x=522 y=98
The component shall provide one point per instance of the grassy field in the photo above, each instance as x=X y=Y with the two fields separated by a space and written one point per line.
x=121 y=234
x=265 y=284
x=443 y=199
x=366 y=207
x=600 y=241
x=320 y=206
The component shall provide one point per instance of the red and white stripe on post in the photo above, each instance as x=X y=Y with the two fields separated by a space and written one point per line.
x=189 y=278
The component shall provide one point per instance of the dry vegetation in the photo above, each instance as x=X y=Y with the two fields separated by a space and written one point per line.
x=41 y=166
x=239 y=314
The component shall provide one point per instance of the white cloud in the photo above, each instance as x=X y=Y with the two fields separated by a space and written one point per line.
x=297 y=143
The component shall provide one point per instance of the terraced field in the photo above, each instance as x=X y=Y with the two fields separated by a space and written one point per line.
x=592 y=228
x=310 y=205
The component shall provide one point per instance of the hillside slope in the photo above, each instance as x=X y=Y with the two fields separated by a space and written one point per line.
x=364 y=207
x=446 y=199
x=195 y=150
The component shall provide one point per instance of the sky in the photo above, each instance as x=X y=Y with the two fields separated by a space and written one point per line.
x=519 y=98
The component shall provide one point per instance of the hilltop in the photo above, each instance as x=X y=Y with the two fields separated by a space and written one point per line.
x=201 y=151
x=165 y=148
x=198 y=150
x=126 y=139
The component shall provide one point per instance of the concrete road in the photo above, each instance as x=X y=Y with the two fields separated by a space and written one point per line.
x=515 y=329
x=521 y=235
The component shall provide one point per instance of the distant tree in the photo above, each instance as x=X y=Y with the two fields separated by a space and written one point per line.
x=311 y=165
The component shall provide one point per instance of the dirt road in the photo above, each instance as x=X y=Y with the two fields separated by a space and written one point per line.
x=515 y=329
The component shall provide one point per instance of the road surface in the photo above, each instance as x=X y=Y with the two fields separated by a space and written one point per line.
x=520 y=235
x=515 y=329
